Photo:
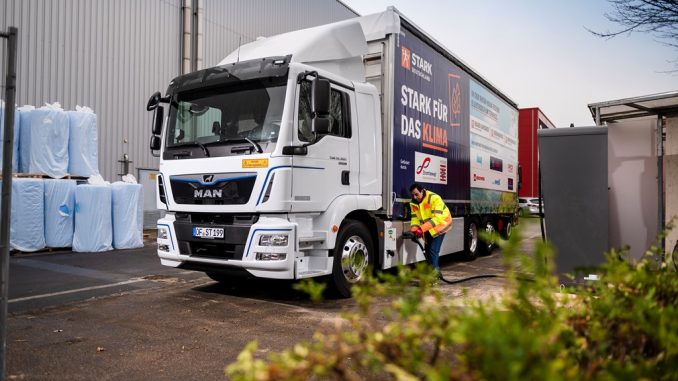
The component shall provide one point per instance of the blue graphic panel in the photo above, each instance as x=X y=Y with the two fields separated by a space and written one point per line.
x=431 y=130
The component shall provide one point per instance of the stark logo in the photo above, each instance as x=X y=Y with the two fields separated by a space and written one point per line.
x=456 y=99
x=455 y=93
x=405 y=58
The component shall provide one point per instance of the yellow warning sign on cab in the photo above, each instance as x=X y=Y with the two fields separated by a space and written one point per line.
x=255 y=163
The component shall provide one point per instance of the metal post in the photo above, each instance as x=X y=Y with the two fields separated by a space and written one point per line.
x=194 y=35
x=597 y=116
x=6 y=205
x=660 y=177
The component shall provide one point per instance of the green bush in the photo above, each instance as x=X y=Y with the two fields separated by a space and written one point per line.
x=622 y=327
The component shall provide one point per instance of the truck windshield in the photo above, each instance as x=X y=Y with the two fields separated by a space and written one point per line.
x=246 y=113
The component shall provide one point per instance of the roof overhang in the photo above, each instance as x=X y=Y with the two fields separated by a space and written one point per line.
x=663 y=104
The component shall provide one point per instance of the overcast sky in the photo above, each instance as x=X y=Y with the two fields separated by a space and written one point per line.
x=539 y=52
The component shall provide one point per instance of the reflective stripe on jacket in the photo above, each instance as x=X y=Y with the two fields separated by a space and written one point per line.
x=431 y=215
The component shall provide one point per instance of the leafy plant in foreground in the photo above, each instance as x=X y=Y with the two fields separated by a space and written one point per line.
x=623 y=327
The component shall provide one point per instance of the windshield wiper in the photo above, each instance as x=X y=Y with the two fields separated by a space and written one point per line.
x=204 y=148
x=254 y=144
x=196 y=143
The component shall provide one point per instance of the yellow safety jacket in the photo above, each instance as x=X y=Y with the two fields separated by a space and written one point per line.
x=431 y=215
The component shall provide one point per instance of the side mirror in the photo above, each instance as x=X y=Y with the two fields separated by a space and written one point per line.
x=155 y=143
x=320 y=97
x=320 y=126
x=154 y=101
x=158 y=116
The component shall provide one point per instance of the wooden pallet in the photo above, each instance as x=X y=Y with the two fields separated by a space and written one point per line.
x=45 y=250
x=43 y=176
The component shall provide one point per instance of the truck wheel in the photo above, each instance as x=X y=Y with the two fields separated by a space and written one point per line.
x=353 y=256
x=486 y=247
x=471 y=241
x=507 y=230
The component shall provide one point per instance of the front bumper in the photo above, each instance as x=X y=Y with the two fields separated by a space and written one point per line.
x=240 y=248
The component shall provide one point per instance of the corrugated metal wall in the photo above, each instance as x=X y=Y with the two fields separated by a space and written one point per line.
x=111 y=55
x=108 y=55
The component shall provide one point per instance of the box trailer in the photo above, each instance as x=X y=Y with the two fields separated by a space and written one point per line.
x=294 y=156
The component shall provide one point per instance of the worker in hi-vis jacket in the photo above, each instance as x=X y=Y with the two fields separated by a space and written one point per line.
x=429 y=215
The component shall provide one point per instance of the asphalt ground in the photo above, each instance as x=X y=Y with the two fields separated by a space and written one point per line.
x=120 y=315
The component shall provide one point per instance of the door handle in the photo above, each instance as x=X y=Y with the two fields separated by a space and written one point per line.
x=344 y=177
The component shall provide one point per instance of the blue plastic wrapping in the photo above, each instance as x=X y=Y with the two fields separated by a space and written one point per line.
x=128 y=215
x=25 y=137
x=59 y=211
x=82 y=144
x=48 y=140
x=27 y=226
x=93 y=219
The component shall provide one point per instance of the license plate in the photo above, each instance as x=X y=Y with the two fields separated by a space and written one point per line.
x=209 y=233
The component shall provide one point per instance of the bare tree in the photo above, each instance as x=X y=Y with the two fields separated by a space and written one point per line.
x=657 y=17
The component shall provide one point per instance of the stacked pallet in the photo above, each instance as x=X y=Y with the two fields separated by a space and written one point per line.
x=53 y=206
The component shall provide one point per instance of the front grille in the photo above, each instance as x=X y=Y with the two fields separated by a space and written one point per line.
x=212 y=250
x=218 y=218
x=236 y=230
x=218 y=189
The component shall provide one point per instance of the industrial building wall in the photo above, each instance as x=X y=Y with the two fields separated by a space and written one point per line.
x=112 y=55
x=108 y=55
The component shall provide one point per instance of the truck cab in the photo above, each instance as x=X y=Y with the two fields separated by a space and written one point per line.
x=253 y=155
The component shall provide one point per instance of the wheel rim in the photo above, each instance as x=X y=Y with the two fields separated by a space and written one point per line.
x=354 y=259
x=472 y=238
x=489 y=229
x=508 y=230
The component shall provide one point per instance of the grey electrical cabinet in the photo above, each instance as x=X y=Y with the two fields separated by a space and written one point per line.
x=573 y=164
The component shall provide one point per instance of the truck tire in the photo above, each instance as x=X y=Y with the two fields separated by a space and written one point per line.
x=471 y=240
x=507 y=230
x=353 y=257
x=488 y=227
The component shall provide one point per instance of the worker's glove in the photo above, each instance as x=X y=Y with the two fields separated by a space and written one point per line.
x=418 y=232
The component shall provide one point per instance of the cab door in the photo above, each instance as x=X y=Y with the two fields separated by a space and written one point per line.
x=324 y=173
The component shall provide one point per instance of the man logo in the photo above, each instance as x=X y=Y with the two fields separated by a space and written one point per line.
x=208 y=193
x=207 y=178
x=405 y=58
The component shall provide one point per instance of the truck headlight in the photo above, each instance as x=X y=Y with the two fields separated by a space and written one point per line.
x=162 y=233
x=273 y=240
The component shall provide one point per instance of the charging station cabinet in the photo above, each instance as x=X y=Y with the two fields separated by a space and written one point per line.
x=575 y=196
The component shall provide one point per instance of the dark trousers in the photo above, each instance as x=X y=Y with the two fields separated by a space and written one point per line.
x=432 y=250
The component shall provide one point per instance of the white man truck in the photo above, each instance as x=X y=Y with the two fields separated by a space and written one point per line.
x=293 y=157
